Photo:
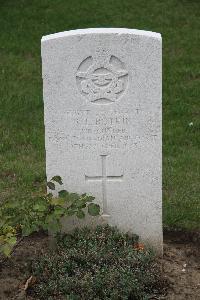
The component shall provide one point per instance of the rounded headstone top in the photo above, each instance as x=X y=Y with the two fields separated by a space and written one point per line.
x=101 y=31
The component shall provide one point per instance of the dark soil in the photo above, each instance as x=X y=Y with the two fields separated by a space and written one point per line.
x=181 y=266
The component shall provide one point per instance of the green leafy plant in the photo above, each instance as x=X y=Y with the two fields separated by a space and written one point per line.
x=7 y=238
x=43 y=212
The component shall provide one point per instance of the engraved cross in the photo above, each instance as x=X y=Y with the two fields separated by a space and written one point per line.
x=104 y=178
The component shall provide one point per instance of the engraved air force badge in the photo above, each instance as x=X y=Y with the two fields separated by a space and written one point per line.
x=102 y=78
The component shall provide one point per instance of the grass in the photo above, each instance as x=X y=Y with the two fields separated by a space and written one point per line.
x=22 y=156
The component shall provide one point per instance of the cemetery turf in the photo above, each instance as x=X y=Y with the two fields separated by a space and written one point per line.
x=22 y=157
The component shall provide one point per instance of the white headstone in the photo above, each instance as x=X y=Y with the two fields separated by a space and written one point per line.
x=102 y=100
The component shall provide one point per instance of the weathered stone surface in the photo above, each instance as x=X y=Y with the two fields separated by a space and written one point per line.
x=102 y=100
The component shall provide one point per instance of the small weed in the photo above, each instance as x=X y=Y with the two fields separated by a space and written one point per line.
x=43 y=212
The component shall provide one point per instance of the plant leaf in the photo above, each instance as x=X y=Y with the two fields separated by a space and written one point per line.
x=59 y=211
x=52 y=224
x=26 y=230
x=63 y=193
x=93 y=209
x=39 y=207
x=70 y=212
x=57 y=201
x=6 y=249
x=90 y=198
x=12 y=241
x=51 y=185
x=74 y=196
x=57 y=179
x=80 y=214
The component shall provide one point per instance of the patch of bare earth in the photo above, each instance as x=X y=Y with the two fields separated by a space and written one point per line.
x=180 y=263
x=14 y=272
x=181 y=266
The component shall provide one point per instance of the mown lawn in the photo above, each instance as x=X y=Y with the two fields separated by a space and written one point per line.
x=22 y=156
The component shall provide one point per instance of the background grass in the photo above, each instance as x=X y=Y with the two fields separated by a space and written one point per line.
x=22 y=156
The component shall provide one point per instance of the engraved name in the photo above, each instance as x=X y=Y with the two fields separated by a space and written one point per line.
x=85 y=129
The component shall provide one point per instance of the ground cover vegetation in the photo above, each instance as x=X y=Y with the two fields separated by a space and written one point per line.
x=99 y=263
